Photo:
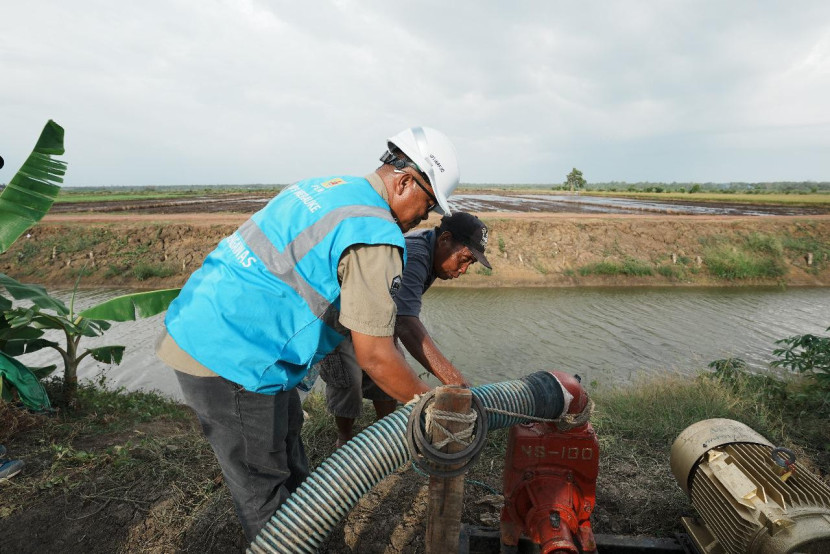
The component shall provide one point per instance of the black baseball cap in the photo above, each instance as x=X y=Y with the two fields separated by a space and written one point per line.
x=469 y=231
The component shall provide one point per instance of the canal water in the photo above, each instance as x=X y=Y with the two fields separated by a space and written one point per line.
x=608 y=336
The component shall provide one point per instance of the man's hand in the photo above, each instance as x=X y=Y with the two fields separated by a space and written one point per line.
x=417 y=342
x=387 y=367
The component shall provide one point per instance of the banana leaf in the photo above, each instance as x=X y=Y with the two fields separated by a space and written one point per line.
x=43 y=372
x=18 y=347
x=9 y=333
x=33 y=189
x=108 y=354
x=31 y=392
x=132 y=306
x=35 y=293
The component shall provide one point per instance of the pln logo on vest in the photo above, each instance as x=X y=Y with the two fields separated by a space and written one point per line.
x=333 y=182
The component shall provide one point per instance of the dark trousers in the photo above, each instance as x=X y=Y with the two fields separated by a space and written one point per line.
x=256 y=439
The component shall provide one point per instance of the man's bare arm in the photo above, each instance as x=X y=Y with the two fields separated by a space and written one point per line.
x=387 y=367
x=417 y=342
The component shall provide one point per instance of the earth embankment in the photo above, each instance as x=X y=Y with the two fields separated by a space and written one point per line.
x=525 y=249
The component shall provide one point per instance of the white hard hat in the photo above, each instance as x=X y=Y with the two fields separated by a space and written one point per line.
x=434 y=155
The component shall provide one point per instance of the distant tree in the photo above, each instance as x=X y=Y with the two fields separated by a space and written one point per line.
x=575 y=181
x=694 y=189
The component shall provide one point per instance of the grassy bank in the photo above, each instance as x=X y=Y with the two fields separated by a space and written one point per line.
x=131 y=472
x=524 y=251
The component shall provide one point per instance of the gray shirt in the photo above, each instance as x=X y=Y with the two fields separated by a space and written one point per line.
x=418 y=273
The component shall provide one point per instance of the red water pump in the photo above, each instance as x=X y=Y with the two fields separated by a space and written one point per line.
x=550 y=482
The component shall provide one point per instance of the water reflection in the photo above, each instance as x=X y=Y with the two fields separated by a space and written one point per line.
x=560 y=203
x=491 y=202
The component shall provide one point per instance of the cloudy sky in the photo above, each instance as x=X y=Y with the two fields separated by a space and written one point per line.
x=245 y=91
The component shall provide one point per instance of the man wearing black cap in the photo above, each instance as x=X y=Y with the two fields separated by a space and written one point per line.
x=444 y=252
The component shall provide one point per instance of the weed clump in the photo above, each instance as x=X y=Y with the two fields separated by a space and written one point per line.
x=143 y=271
x=629 y=266
x=753 y=256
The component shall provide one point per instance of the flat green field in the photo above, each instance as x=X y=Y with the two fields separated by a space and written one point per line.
x=152 y=193
x=814 y=199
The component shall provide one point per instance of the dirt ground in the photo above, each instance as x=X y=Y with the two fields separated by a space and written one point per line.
x=155 y=487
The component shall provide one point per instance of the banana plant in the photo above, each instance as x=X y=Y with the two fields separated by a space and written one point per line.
x=23 y=203
x=43 y=312
x=46 y=312
x=33 y=189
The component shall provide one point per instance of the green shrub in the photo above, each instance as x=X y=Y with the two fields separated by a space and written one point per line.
x=632 y=266
x=143 y=271
x=78 y=242
x=629 y=266
x=765 y=244
x=115 y=271
x=755 y=256
x=806 y=354
x=670 y=271
x=27 y=252
x=725 y=263
x=800 y=246
x=735 y=373
x=600 y=268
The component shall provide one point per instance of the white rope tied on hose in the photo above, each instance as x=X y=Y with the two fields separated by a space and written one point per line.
x=463 y=437
x=565 y=422
x=430 y=457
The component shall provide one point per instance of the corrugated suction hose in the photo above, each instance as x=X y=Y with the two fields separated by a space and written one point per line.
x=306 y=518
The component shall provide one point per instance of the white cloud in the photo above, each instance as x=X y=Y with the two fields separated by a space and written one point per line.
x=243 y=91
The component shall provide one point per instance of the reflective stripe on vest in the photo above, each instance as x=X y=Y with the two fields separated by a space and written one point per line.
x=283 y=265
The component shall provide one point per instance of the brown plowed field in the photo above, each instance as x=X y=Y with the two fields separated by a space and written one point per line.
x=526 y=249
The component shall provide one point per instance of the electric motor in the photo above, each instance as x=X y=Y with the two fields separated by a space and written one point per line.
x=751 y=497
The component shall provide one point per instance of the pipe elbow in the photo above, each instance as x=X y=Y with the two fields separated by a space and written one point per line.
x=573 y=385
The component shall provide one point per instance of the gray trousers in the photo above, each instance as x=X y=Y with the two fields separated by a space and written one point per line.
x=256 y=439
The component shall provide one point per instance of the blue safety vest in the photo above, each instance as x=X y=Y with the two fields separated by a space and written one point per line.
x=264 y=306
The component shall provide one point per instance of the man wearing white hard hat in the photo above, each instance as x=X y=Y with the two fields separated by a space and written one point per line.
x=322 y=260
x=444 y=252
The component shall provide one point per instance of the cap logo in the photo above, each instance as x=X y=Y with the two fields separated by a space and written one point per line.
x=483 y=239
